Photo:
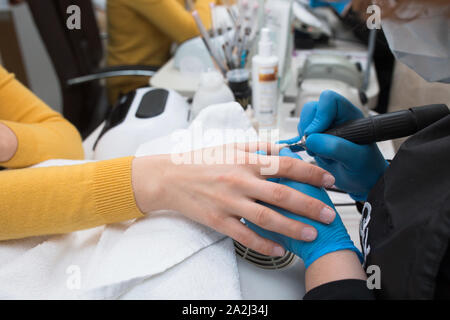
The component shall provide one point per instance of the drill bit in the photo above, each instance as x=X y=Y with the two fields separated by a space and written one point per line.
x=299 y=146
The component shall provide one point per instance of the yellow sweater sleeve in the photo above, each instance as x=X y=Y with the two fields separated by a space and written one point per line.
x=53 y=200
x=42 y=133
x=172 y=18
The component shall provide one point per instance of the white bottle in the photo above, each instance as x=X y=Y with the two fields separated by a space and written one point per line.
x=212 y=90
x=265 y=82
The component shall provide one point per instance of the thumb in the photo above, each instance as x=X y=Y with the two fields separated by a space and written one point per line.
x=289 y=141
x=332 y=109
x=325 y=113
x=307 y=116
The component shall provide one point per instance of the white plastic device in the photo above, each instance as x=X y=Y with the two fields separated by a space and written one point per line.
x=139 y=117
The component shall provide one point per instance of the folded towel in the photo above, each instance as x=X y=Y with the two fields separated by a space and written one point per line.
x=161 y=256
x=191 y=279
x=215 y=125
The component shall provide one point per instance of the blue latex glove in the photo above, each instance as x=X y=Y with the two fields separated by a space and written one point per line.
x=339 y=6
x=330 y=238
x=356 y=167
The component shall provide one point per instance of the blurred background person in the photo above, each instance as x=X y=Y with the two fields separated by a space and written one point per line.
x=141 y=32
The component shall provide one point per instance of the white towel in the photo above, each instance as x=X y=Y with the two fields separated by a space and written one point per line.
x=161 y=256
x=215 y=125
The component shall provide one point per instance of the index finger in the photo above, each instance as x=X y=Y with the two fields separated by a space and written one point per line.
x=332 y=109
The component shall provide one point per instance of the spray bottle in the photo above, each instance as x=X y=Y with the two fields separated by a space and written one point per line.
x=265 y=82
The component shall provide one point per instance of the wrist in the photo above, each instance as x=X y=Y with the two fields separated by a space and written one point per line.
x=339 y=245
x=8 y=143
x=149 y=181
x=334 y=266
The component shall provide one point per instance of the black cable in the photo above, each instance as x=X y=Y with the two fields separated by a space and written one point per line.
x=344 y=204
x=336 y=190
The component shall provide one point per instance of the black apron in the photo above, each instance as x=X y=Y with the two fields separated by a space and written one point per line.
x=405 y=225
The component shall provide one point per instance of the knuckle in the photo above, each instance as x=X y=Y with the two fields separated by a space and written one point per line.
x=242 y=237
x=290 y=227
x=242 y=158
x=279 y=193
x=327 y=94
x=309 y=205
x=263 y=247
x=310 y=172
x=334 y=145
x=287 y=164
x=230 y=179
x=213 y=220
x=296 y=229
x=262 y=216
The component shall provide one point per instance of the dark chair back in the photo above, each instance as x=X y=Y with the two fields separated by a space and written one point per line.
x=73 y=53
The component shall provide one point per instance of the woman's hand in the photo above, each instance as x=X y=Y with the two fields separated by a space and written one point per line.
x=8 y=143
x=218 y=192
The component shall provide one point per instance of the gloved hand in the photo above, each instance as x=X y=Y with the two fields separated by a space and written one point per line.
x=330 y=238
x=356 y=167
x=339 y=5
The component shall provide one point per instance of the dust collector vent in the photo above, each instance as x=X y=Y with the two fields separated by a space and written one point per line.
x=261 y=260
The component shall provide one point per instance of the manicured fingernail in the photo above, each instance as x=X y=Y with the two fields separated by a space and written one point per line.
x=278 y=252
x=327 y=215
x=309 y=234
x=328 y=180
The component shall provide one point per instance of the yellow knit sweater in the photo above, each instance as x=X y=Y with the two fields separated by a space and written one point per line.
x=140 y=32
x=38 y=201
